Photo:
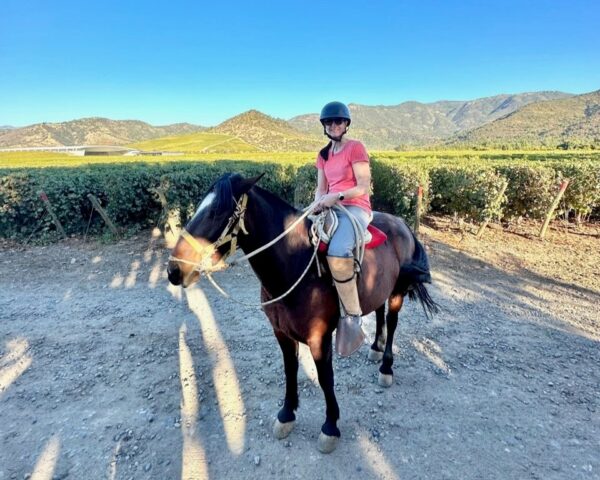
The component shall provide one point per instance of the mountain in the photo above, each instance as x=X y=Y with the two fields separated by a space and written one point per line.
x=267 y=133
x=544 y=119
x=567 y=121
x=89 y=131
x=6 y=127
x=413 y=123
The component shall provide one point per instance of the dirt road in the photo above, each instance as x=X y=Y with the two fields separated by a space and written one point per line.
x=108 y=372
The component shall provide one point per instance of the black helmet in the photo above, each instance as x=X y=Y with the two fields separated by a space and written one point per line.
x=335 y=110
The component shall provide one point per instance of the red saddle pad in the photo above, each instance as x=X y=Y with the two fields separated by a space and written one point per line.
x=378 y=237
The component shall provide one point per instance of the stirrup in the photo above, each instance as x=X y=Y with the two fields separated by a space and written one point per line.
x=350 y=335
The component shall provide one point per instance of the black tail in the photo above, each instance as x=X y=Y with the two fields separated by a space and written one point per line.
x=419 y=292
x=418 y=272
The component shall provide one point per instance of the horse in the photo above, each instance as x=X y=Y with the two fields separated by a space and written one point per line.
x=235 y=209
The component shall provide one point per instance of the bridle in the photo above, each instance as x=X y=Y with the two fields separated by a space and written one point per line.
x=228 y=235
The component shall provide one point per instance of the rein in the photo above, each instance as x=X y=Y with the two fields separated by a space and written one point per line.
x=236 y=223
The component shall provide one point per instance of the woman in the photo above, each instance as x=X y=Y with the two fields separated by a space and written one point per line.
x=344 y=177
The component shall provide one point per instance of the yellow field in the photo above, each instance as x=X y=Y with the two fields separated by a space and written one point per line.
x=48 y=159
x=199 y=142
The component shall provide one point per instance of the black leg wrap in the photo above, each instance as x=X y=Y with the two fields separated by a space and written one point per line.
x=286 y=414
x=329 y=428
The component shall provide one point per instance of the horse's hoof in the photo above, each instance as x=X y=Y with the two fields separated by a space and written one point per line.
x=375 y=355
x=327 y=444
x=282 y=430
x=385 y=380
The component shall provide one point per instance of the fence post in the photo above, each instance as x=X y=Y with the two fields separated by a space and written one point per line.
x=493 y=205
x=561 y=191
x=418 y=209
x=167 y=222
x=48 y=206
x=103 y=214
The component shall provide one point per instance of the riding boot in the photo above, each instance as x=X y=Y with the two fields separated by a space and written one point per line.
x=349 y=335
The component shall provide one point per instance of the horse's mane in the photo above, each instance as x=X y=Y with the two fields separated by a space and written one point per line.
x=224 y=200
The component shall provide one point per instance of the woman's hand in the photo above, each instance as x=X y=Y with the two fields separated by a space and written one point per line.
x=326 y=201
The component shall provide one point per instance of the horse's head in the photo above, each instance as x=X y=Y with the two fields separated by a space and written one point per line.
x=205 y=239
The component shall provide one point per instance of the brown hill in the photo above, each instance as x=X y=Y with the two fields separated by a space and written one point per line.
x=413 y=123
x=267 y=133
x=573 y=121
x=89 y=131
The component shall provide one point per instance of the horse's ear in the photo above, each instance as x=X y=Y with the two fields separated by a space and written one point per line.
x=248 y=183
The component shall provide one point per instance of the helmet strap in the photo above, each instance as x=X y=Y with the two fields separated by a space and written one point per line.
x=335 y=139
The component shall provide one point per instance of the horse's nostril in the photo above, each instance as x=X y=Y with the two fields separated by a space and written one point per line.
x=174 y=274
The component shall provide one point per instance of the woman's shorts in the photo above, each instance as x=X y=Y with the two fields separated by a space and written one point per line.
x=342 y=243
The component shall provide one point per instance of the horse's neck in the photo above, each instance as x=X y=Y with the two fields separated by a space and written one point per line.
x=267 y=216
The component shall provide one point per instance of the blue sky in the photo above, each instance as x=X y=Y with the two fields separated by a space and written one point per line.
x=198 y=62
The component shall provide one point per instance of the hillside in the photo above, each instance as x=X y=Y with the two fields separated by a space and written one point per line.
x=89 y=131
x=267 y=133
x=199 y=142
x=414 y=123
x=539 y=119
x=574 y=120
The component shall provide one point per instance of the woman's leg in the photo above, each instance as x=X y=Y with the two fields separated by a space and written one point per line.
x=340 y=257
x=343 y=241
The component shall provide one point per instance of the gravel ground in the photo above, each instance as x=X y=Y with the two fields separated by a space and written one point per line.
x=106 y=371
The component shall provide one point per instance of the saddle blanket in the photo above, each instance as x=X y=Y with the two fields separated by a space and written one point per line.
x=377 y=238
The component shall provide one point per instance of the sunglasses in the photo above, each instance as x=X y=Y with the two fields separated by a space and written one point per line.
x=330 y=121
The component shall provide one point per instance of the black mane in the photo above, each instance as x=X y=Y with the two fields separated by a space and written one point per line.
x=224 y=196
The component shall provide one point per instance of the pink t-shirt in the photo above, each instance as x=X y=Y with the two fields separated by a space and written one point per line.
x=340 y=175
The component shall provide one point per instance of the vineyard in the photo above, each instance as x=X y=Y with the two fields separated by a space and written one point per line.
x=467 y=184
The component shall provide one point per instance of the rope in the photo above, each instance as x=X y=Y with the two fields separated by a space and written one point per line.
x=307 y=211
x=318 y=232
x=283 y=295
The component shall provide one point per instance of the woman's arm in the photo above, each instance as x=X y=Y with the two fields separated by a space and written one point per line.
x=362 y=173
x=321 y=184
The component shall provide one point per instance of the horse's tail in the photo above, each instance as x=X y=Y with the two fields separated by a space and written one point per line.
x=419 y=274
x=419 y=292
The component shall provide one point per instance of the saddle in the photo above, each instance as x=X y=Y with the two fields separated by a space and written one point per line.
x=373 y=238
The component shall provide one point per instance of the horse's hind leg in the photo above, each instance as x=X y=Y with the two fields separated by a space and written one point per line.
x=376 y=352
x=321 y=351
x=386 y=375
x=284 y=423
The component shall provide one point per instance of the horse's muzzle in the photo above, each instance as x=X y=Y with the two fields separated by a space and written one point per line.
x=174 y=273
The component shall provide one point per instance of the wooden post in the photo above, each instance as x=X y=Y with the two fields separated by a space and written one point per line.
x=493 y=205
x=418 y=210
x=161 y=197
x=297 y=196
x=48 y=206
x=103 y=214
x=169 y=227
x=561 y=191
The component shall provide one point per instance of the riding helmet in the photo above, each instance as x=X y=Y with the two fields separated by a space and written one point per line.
x=335 y=110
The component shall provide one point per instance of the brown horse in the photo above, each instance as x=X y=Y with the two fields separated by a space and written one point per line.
x=309 y=314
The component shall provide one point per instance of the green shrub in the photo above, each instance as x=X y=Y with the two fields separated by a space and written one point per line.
x=395 y=187
x=582 y=196
x=468 y=192
x=531 y=189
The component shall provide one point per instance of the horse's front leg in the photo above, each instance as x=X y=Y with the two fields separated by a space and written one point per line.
x=284 y=423
x=321 y=351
